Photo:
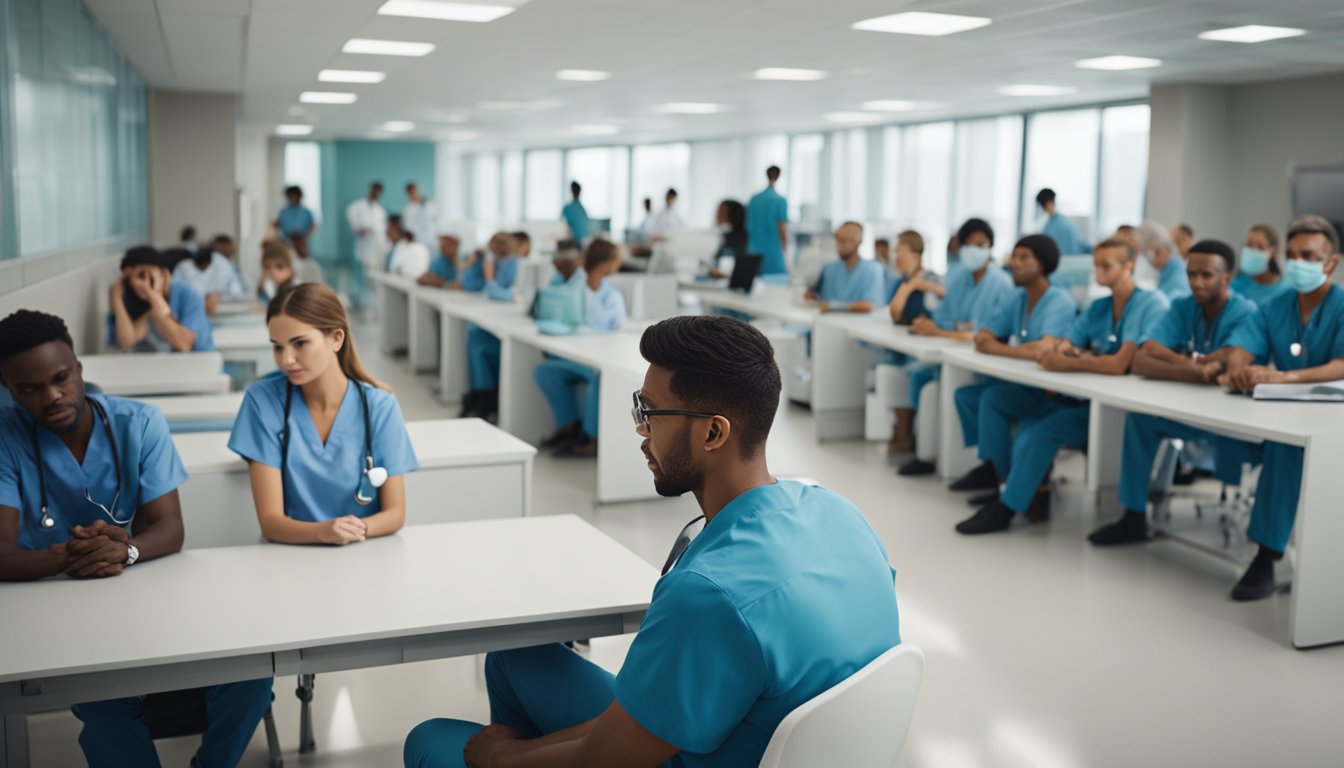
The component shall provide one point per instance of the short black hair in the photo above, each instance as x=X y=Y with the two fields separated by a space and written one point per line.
x=174 y=256
x=971 y=227
x=293 y=189
x=1217 y=248
x=1045 y=250
x=881 y=241
x=378 y=185
x=772 y=173
x=26 y=329
x=411 y=185
x=736 y=214
x=188 y=233
x=575 y=188
x=523 y=236
x=221 y=239
x=1046 y=195
x=723 y=365
x=142 y=255
x=394 y=220
x=671 y=192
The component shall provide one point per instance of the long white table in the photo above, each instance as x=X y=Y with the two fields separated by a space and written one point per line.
x=183 y=408
x=393 y=309
x=211 y=616
x=143 y=374
x=469 y=470
x=771 y=302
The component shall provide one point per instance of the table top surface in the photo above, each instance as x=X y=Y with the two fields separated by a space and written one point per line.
x=770 y=301
x=249 y=336
x=232 y=601
x=192 y=407
x=876 y=328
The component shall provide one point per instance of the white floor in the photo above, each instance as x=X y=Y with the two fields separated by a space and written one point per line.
x=1043 y=652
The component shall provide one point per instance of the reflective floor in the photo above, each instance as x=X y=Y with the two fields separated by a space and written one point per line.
x=1042 y=651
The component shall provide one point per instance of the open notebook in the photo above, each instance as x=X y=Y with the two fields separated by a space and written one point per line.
x=1329 y=391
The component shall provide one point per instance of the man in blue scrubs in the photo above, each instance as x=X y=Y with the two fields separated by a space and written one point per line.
x=483 y=347
x=768 y=226
x=98 y=524
x=785 y=593
x=849 y=283
x=1156 y=245
x=1035 y=310
x=1304 y=329
x=576 y=216
x=151 y=312
x=443 y=269
x=1196 y=342
x=296 y=223
x=1059 y=227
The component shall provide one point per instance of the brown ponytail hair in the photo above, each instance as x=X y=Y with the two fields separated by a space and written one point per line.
x=317 y=305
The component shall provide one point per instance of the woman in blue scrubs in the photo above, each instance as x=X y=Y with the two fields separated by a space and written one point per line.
x=1304 y=329
x=483 y=346
x=1258 y=276
x=325 y=442
x=1103 y=340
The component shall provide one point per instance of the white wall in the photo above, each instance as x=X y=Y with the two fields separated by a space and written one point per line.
x=255 y=198
x=72 y=284
x=192 y=166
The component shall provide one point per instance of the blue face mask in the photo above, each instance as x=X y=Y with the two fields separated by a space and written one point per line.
x=973 y=257
x=1253 y=262
x=1304 y=276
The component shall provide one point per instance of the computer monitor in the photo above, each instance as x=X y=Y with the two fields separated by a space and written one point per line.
x=745 y=269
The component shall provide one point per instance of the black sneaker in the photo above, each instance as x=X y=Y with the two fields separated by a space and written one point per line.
x=1131 y=528
x=1039 y=511
x=469 y=404
x=981 y=499
x=561 y=437
x=982 y=478
x=989 y=519
x=917 y=467
x=1257 y=582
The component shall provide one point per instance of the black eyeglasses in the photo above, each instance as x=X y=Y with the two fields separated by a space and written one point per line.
x=641 y=414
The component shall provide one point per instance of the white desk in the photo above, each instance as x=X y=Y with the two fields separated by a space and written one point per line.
x=1317 y=612
x=771 y=302
x=197 y=407
x=469 y=470
x=168 y=373
x=393 y=309
x=234 y=307
x=211 y=616
x=249 y=343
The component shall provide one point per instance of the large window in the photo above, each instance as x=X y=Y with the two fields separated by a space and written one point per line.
x=1124 y=167
x=987 y=175
x=485 y=188
x=303 y=168
x=545 y=184
x=925 y=190
x=511 y=187
x=657 y=168
x=1062 y=155
x=604 y=173
x=805 y=177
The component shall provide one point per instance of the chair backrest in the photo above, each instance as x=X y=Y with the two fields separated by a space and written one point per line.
x=861 y=722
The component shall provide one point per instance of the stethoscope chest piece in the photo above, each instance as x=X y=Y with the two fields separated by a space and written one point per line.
x=1295 y=349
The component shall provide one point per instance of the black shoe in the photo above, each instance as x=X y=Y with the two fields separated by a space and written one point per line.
x=916 y=467
x=1184 y=475
x=1258 y=581
x=584 y=448
x=487 y=406
x=561 y=437
x=1039 y=511
x=982 y=478
x=990 y=519
x=981 y=499
x=469 y=402
x=1131 y=528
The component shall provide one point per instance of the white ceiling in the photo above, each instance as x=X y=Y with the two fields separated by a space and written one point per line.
x=692 y=50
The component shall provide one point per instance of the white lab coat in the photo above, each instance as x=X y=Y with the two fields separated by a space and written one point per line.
x=422 y=220
x=665 y=221
x=409 y=259
x=371 y=247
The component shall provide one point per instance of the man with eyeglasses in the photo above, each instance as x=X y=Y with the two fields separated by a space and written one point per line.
x=785 y=593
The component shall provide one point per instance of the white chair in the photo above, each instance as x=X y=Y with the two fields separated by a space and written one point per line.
x=861 y=722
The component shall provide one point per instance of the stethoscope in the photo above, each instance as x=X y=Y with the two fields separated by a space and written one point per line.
x=1114 y=337
x=47 y=521
x=375 y=475
x=1210 y=333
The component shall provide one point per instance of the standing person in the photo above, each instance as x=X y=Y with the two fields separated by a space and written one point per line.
x=368 y=221
x=1258 y=275
x=153 y=313
x=296 y=223
x=768 y=226
x=407 y=258
x=646 y=225
x=849 y=283
x=212 y=272
x=1059 y=227
x=576 y=216
x=666 y=221
x=420 y=217
x=785 y=592
x=88 y=488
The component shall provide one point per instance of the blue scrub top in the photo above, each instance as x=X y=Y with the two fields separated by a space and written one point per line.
x=604 y=309
x=188 y=307
x=506 y=274
x=765 y=211
x=444 y=268
x=786 y=592
x=150 y=468
x=863 y=283
x=968 y=305
x=1096 y=330
x=473 y=277
x=1260 y=294
x=1279 y=323
x=294 y=220
x=1061 y=229
x=1053 y=315
x=576 y=216
x=1183 y=328
x=1172 y=280
x=321 y=480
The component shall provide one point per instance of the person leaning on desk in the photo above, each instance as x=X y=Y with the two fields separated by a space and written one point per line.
x=88 y=488
x=151 y=312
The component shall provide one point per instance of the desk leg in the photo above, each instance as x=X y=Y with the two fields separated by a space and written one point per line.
x=839 y=373
x=424 y=345
x=622 y=474
x=14 y=742
x=393 y=311
x=454 y=380
x=954 y=459
x=1317 y=613
x=1105 y=442
x=523 y=411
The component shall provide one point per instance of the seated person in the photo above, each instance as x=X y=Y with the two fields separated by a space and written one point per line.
x=483 y=346
x=407 y=257
x=1020 y=328
x=88 y=488
x=849 y=283
x=1103 y=340
x=1304 y=331
x=906 y=291
x=277 y=270
x=731 y=219
x=211 y=271
x=1196 y=341
x=785 y=592
x=1258 y=275
x=975 y=288
x=153 y=313
x=559 y=379
x=1156 y=245
x=443 y=268
x=479 y=269
x=522 y=244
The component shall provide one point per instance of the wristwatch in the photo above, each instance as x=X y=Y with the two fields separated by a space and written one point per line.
x=132 y=554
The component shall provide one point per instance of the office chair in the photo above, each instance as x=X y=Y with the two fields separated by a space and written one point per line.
x=183 y=713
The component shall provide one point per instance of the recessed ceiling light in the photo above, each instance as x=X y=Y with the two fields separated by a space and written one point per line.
x=691 y=108
x=350 y=76
x=327 y=97
x=897 y=105
x=1251 y=33
x=445 y=117
x=851 y=117
x=917 y=23
x=398 y=126
x=1117 y=63
x=596 y=129
x=582 y=75
x=518 y=106
x=788 y=73
x=291 y=129
x=387 y=47
x=1037 y=90
x=459 y=135
x=444 y=11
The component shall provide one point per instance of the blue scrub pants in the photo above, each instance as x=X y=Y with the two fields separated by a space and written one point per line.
x=1003 y=405
x=114 y=733
x=482 y=359
x=921 y=374
x=1035 y=448
x=1276 y=496
x=1143 y=435
x=558 y=378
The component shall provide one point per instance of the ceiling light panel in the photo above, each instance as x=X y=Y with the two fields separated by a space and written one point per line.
x=327 y=97
x=1037 y=90
x=1118 y=63
x=444 y=11
x=582 y=75
x=691 y=108
x=789 y=73
x=291 y=129
x=897 y=105
x=851 y=117
x=1251 y=33
x=387 y=47
x=918 y=23
x=398 y=126
x=350 y=76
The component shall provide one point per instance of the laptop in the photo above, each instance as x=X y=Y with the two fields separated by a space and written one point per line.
x=745 y=269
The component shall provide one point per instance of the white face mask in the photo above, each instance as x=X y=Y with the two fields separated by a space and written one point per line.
x=973 y=257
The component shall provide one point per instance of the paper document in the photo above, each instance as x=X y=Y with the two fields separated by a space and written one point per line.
x=1328 y=391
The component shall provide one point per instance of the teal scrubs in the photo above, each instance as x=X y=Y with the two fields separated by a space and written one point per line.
x=1172 y=280
x=188 y=307
x=1320 y=341
x=839 y=283
x=576 y=216
x=1260 y=294
x=114 y=732
x=559 y=379
x=473 y=276
x=967 y=306
x=787 y=592
x=483 y=346
x=321 y=478
x=295 y=220
x=1060 y=228
x=444 y=268
x=765 y=211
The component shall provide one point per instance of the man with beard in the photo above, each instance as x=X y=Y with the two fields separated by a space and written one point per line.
x=785 y=592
